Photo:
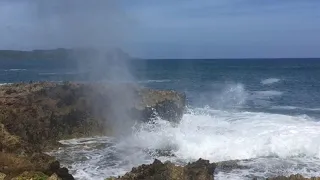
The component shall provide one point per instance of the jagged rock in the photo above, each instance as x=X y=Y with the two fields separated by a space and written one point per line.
x=63 y=173
x=2 y=176
x=54 y=177
x=199 y=170
x=53 y=167
x=294 y=177
x=13 y=164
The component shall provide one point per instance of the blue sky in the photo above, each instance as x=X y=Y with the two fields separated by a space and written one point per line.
x=167 y=28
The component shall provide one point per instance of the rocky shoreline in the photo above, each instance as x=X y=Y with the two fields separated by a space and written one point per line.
x=199 y=170
x=35 y=116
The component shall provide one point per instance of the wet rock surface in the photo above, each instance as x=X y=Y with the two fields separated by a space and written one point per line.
x=35 y=116
x=294 y=177
x=199 y=170
x=227 y=166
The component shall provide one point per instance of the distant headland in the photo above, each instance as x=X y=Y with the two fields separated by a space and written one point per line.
x=63 y=54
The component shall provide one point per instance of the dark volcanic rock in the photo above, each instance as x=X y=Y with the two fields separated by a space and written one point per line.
x=63 y=173
x=199 y=170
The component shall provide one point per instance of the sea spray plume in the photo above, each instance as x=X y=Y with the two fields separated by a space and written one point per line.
x=227 y=95
x=94 y=28
x=234 y=95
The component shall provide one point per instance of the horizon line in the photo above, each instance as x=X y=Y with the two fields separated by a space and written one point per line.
x=255 y=58
x=171 y=58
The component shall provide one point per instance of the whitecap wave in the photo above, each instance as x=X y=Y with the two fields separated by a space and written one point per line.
x=57 y=73
x=270 y=81
x=295 y=108
x=8 y=70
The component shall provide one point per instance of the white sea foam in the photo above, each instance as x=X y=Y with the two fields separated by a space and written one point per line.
x=234 y=135
x=270 y=81
x=2 y=84
x=223 y=135
x=217 y=136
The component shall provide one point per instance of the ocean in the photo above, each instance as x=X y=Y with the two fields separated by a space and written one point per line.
x=263 y=112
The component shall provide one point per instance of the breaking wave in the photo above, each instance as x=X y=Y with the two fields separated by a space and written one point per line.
x=15 y=70
x=211 y=134
x=222 y=135
x=295 y=108
x=267 y=144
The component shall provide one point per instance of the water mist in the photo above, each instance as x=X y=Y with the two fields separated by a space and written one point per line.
x=94 y=30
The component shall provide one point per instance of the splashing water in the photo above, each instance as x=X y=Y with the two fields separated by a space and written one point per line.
x=271 y=144
x=234 y=95
x=265 y=144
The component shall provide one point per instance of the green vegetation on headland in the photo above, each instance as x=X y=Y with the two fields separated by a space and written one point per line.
x=55 y=54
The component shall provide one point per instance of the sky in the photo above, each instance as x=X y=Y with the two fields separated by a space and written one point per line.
x=166 y=28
